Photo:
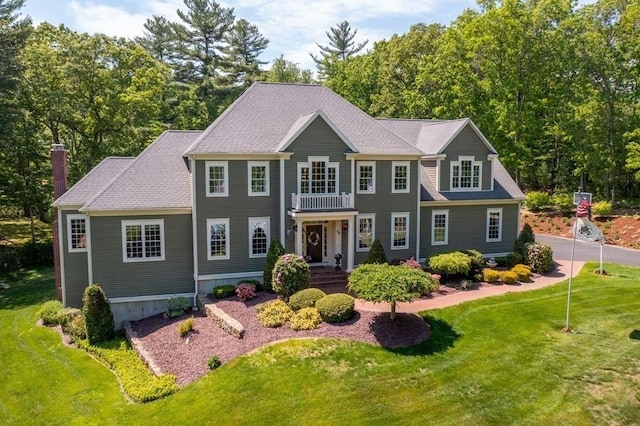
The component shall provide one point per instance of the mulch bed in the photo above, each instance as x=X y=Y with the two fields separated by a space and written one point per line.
x=187 y=357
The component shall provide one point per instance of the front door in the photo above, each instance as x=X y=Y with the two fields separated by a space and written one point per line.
x=314 y=243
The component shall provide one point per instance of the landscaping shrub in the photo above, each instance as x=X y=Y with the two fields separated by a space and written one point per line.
x=602 y=208
x=138 y=382
x=524 y=274
x=177 y=306
x=490 y=275
x=513 y=259
x=306 y=319
x=477 y=260
x=214 y=362
x=537 y=200
x=450 y=263
x=466 y=285
x=563 y=202
x=223 y=291
x=27 y=255
x=412 y=263
x=522 y=265
x=245 y=292
x=435 y=284
x=539 y=257
x=50 y=312
x=274 y=314
x=509 y=277
x=376 y=253
x=305 y=298
x=337 y=307
x=275 y=251
x=72 y=323
x=255 y=283
x=290 y=274
x=97 y=315
x=186 y=326
x=525 y=237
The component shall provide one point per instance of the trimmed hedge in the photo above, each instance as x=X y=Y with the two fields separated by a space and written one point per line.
x=50 y=312
x=97 y=313
x=306 y=298
x=509 y=277
x=490 y=275
x=337 y=307
x=274 y=314
x=450 y=263
x=306 y=319
x=27 y=255
x=540 y=257
x=524 y=274
x=223 y=291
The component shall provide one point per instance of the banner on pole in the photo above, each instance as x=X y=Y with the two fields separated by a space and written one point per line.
x=587 y=231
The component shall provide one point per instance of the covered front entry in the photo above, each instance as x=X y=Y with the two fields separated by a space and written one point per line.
x=320 y=236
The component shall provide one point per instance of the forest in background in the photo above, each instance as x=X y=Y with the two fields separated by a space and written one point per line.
x=552 y=85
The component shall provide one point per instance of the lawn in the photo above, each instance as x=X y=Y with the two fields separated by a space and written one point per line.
x=501 y=360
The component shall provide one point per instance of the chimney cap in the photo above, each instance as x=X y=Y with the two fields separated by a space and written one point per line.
x=57 y=147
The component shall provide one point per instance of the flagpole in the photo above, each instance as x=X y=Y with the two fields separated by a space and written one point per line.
x=573 y=250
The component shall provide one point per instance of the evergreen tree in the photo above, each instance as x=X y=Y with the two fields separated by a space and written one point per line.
x=341 y=47
x=376 y=253
x=97 y=315
x=285 y=71
x=240 y=57
x=275 y=251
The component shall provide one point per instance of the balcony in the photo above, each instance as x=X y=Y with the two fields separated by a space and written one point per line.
x=321 y=201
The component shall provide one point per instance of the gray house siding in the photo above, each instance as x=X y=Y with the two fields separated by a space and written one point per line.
x=238 y=207
x=76 y=267
x=132 y=279
x=468 y=229
x=466 y=144
x=383 y=203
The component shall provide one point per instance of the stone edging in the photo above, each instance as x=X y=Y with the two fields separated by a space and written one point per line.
x=137 y=346
x=228 y=324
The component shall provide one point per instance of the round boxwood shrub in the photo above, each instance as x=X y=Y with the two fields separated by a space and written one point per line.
x=524 y=274
x=50 y=312
x=306 y=319
x=539 y=257
x=450 y=263
x=274 y=314
x=305 y=298
x=337 y=307
x=223 y=291
x=97 y=315
x=290 y=274
x=509 y=277
x=490 y=275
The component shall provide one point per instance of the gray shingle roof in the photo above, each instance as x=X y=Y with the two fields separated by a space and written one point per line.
x=94 y=181
x=157 y=179
x=504 y=188
x=260 y=120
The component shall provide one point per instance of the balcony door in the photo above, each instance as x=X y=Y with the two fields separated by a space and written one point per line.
x=315 y=243
x=318 y=176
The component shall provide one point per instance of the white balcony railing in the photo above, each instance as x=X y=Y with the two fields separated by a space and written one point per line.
x=321 y=201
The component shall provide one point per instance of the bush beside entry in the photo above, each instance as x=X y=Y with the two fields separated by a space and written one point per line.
x=290 y=274
x=97 y=315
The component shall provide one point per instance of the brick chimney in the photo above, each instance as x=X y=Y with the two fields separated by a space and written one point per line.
x=59 y=165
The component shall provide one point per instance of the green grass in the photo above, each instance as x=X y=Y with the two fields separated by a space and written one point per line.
x=501 y=360
x=18 y=231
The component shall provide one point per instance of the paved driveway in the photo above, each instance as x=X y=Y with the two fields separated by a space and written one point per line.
x=589 y=251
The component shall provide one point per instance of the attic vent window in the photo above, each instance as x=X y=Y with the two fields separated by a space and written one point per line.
x=466 y=174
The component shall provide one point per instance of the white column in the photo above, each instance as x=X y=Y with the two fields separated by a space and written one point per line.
x=351 y=244
x=298 y=237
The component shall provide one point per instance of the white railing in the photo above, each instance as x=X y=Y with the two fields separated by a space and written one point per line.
x=321 y=201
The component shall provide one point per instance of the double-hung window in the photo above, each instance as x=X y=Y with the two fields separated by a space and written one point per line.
x=318 y=176
x=439 y=227
x=366 y=177
x=400 y=178
x=258 y=178
x=366 y=231
x=399 y=231
x=218 y=239
x=143 y=240
x=466 y=174
x=494 y=225
x=258 y=236
x=76 y=233
x=217 y=178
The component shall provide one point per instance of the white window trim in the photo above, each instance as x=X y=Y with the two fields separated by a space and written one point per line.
x=267 y=185
x=335 y=166
x=473 y=164
x=143 y=223
x=406 y=164
x=207 y=166
x=434 y=213
x=371 y=216
x=393 y=217
x=252 y=221
x=71 y=217
x=360 y=164
x=328 y=165
x=489 y=212
x=224 y=222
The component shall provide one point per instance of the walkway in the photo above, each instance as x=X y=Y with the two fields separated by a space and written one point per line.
x=560 y=273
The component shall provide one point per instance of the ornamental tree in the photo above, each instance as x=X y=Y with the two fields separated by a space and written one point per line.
x=391 y=284
x=275 y=251
x=97 y=315
x=290 y=274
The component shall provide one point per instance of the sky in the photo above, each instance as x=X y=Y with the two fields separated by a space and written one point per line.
x=292 y=27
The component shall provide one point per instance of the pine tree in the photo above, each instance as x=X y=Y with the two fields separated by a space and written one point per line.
x=376 y=253
x=97 y=315
x=341 y=46
x=240 y=61
x=275 y=251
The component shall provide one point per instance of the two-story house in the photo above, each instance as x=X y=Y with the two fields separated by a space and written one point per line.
x=293 y=162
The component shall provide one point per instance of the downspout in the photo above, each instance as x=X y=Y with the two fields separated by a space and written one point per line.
x=282 y=202
x=194 y=231
x=418 y=215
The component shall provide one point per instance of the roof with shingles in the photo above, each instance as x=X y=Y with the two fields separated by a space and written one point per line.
x=158 y=178
x=94 y=181
x=267 y=113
